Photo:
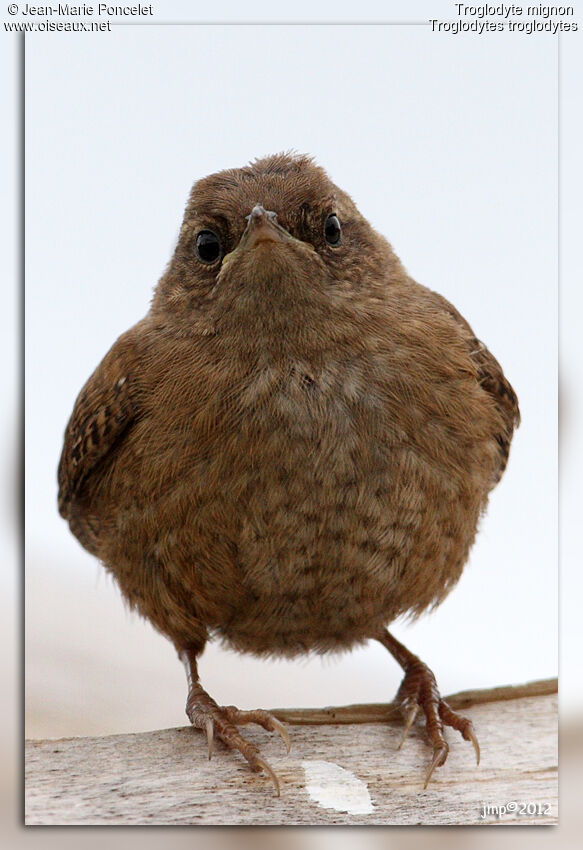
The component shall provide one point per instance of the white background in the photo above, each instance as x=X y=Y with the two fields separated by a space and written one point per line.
x=449 y=146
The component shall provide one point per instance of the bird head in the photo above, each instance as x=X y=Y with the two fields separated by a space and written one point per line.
x=275 y=242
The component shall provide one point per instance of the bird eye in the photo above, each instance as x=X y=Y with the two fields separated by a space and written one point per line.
x=208 y=246
x=332 y=230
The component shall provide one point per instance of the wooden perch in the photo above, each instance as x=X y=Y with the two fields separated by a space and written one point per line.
x=344 y=768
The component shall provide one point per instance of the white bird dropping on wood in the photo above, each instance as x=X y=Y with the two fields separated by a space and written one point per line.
x=333 y=787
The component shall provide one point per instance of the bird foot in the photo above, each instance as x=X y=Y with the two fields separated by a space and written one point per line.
x=419 y=692
x=221 y=722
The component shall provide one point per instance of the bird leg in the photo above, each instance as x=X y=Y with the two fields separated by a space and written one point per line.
x=418 y=691
x=221 y=721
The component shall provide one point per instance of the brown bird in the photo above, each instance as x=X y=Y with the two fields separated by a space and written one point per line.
x=293 y=447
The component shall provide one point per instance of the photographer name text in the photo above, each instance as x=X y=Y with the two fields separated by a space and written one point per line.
x=83 y=11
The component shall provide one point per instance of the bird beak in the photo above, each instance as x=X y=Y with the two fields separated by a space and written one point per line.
x=262 y=227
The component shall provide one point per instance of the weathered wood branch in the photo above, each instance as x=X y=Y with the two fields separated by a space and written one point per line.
x=378 y=712
x=344 y=768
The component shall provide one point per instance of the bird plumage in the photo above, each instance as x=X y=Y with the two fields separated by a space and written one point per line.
x=295 y=445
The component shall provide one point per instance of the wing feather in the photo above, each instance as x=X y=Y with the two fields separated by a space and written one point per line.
x=492 y=379
x=103 y=412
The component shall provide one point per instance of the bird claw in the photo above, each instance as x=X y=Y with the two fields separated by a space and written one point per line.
x=439 y=756
x=409 y=721
x=470 y=735
x=210 y=735
x=221 y=722
x=419 y=691
x=266 y=767
x=262 y=718
x=282 y=732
